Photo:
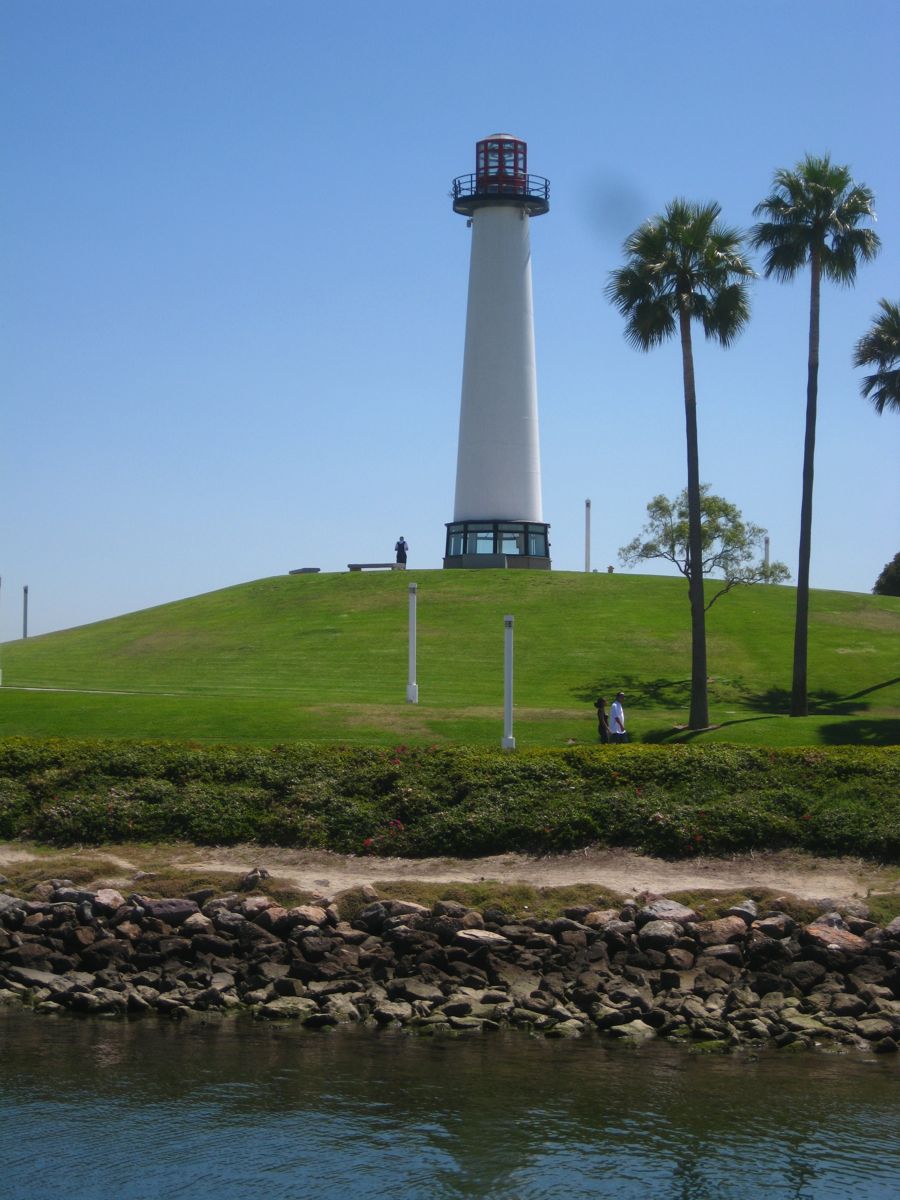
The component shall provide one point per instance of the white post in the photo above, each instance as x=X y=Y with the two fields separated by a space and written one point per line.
x=25 y=611
x=587 y=537
x=508 y=742
x=766 y=550
x=412 y=688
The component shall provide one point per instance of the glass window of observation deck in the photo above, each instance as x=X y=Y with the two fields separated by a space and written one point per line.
x=511 y=539
x=480 y=539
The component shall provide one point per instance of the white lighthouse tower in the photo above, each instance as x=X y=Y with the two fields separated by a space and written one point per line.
x=497 y=516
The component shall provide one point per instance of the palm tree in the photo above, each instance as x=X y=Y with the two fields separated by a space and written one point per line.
x=813 y=216
x=880 y=348
x=685 y=266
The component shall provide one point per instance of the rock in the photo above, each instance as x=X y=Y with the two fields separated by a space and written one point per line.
x=414 y=989
x=633 y=1031
x=805 y=1023
x=805 y=975
x=286 y=1008
x=406 y=908
x=776 y=925
x=195 y=923
x=873 y=1029
x=307 y=914
x=722 y=931
x=600 y=918
x=476 y=938
x=729 y=953
x=658 y=934
x=830 y=936
x=341 y=1009
x=171 y=911
x=570 y=1029
x=253 y=906
x=388 y=1012
x=679 y=960
x=666 y=910
x=745 y=909
x=108 y=900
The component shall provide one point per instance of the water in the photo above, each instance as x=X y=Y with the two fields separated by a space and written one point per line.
x=94 y=1110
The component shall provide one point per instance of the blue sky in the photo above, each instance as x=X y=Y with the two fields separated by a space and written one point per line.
x=234 y=289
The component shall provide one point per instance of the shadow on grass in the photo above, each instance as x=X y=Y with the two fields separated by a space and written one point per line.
x=871 y=731
x=639 y=693
x=661 y=736
x=884 y=731
x=775 y=701
x=821 y=703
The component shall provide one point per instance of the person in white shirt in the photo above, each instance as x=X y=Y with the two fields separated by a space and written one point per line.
x=617 y=720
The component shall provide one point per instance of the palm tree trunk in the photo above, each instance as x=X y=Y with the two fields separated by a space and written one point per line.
x=699 y=713
x=799 y=698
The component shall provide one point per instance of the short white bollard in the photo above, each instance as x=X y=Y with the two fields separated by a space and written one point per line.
x=508 y=742
x=412 y=688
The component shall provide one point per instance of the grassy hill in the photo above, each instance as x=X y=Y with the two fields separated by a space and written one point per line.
x=323 y=657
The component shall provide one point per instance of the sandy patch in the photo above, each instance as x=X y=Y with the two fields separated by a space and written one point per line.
x=621 y=871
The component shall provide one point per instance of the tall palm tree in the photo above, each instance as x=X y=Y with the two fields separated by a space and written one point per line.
x=814 y=215
x=684 y=266
x=880 y=348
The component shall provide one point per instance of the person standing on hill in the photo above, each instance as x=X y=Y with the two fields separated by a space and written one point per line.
x=602 y=720
x=617 y=720
x=401 y=547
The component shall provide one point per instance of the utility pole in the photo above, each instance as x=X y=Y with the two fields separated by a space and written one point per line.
x=25 y=611
x=587 y=537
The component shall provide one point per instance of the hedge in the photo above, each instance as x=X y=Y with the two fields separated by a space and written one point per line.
x=665 y=800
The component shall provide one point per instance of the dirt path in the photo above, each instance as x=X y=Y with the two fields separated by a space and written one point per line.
x=618 y=870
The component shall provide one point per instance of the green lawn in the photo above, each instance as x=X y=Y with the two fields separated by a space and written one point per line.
x=323 y=658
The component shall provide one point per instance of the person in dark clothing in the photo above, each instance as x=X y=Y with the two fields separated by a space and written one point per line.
x=401 y=548
x=602 y=720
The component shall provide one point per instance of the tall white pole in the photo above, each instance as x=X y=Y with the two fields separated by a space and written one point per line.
x=766 y=549
x=587 y=537
x=412 y=688
x=508 y=742
x=25 y=611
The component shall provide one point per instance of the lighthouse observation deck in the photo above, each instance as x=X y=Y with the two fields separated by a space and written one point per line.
x=532 y=192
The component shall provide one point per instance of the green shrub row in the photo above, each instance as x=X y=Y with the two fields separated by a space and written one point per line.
x=665 y=800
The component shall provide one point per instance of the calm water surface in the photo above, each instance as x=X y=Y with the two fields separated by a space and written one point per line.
x=94 y=1110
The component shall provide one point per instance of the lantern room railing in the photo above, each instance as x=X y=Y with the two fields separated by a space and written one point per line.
x=531 y=187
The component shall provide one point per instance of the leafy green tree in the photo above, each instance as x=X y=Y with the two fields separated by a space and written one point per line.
x=888 y=582
x=880 y=348
x=814 y=215
x=683 y=266
x=729 y=544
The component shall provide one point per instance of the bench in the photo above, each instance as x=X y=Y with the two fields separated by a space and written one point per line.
x=376 y=566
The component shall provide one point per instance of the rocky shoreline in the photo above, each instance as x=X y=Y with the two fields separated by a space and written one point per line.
x=651 y=969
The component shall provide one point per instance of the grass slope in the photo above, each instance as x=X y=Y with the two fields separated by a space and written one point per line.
x=324 y=657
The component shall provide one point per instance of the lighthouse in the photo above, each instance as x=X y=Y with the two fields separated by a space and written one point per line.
x=497 y=515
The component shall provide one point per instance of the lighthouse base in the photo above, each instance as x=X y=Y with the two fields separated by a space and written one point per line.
x=502 y=545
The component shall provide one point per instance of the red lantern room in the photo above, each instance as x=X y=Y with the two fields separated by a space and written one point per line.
x=501 y=163
x=501 y=177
